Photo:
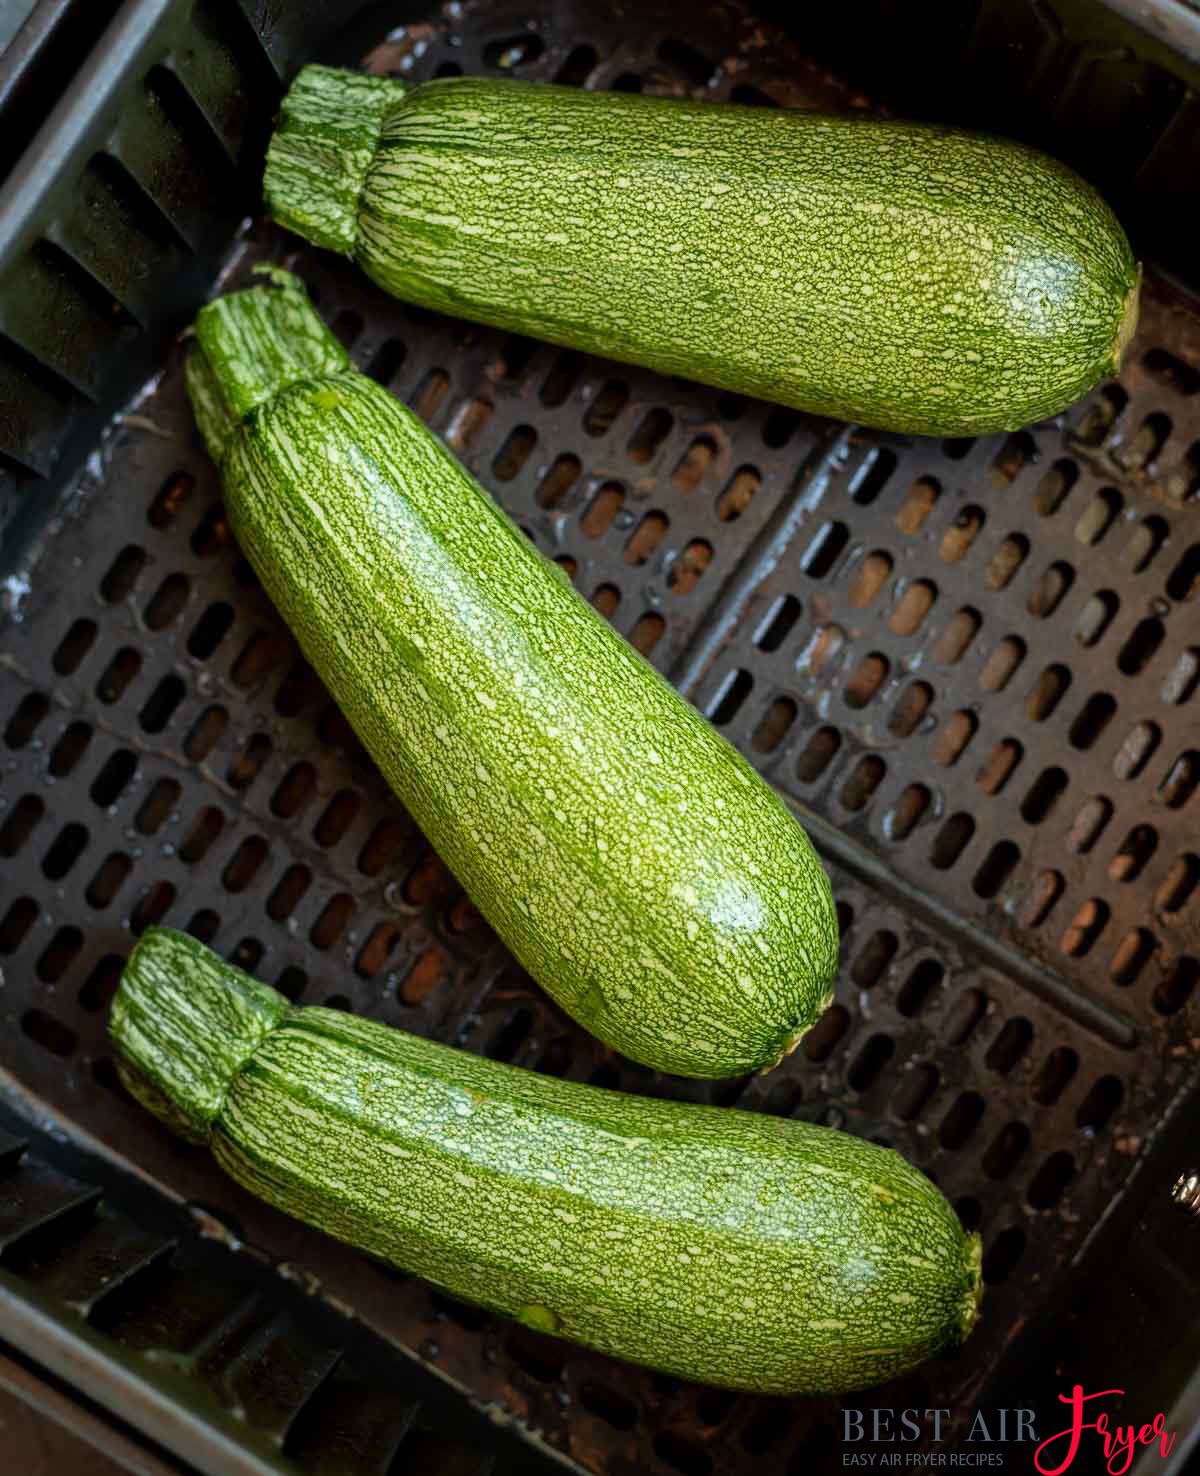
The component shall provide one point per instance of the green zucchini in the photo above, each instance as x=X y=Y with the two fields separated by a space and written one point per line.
x=634 y=863
x=907 y=276
x=730 y=1247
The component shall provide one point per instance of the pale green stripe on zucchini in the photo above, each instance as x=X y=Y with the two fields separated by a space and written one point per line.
x=729 y=1247
x=903 y=275
x=634 y=863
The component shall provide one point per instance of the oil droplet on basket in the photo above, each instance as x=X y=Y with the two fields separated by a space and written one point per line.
x=539 y=1318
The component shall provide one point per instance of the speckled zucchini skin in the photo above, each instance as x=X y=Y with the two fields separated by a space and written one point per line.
x=729 y=1247
x=633 y=862
x=913 y=277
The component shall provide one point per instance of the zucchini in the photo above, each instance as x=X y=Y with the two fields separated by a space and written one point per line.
x=729 y=1247
x=634 y=863
x=907 y=276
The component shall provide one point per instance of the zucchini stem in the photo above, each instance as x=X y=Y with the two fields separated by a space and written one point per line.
x=249 y=347
x=317 y=161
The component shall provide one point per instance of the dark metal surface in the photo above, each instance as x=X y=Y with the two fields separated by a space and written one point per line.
x=47 y=1433
x=1125 y=1317
x=110 y=229
x=971 y=666
x=161 y=1322
x=123 y=208
x=23 y=42
x=1176 y=23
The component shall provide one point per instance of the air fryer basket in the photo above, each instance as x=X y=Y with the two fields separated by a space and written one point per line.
x=973 y=667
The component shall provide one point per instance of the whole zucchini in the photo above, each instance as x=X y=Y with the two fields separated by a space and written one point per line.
x=902 y=275
x=633 y=862
x=730 y=1247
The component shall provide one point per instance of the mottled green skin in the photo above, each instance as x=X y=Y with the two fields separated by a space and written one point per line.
x=907 y=276
x=186 y=1023
x=729 y=1247
x=633 y=862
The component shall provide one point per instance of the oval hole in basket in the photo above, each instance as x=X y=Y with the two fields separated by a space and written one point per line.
x=918 y=503
x=1017 y=452
x=1183 y=678
x=1001 y=1257
x=1005 y=562
x=912 y=607
x=998 y=670
x=692 y=467
x=688 y=568
x=561 y=476
x=170 y=497
x=999 y=766
x=823 y=549
x=1056 y=482
x=923 y=980
x=902 y=817
x=773 y=726
x=1179 y=885
x=1180 y=781
x=872 y=475
x=737 y=496
x=961 y=534
x=1055 y=1076
x=1086 y=926
x=909 y=709
x=953 y=738
x=1184 y=580
x=1099 y=516
x=960 y=631
x=951 y=840
x=1096 y=616
x=1010 y=1045
x=108 y=880
x=778 y=622
x=1177 y=985
x=1134 y=852
x=1005 y=1150
x=964 y=1014
x=819 y=1042
x=1047 y=692
x=1143 y=545
x=869 y=578
x=645 y=538
x=1132 y=955
x=818 y=753
x=1051 y=1180
x=961 y=1120
x=167 y=602
x=916 y=1087
x=862 y=782
x=1102 y=1100
x=872 y=962
x=1050 y=590
x=1044 y=892
x=866 y=679
x=875 y=1053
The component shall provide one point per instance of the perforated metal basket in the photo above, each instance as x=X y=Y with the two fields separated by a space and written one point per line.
x=972 y=667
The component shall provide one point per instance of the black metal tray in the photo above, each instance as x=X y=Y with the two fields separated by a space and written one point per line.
x=971 y=666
